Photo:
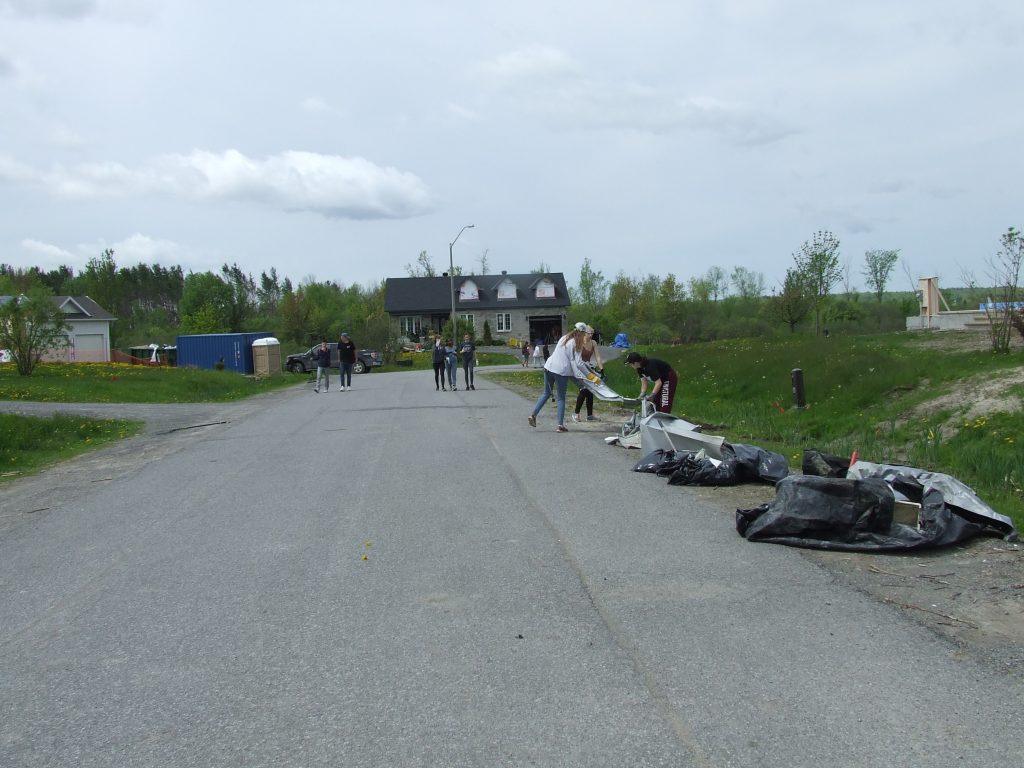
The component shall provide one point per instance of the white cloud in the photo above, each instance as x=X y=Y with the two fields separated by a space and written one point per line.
x=463 y=113
x=14 y=171
x=333 y=186
x=547 y=82
x=314 y=104
x=47 y=253
x=63 y=137
x=533 y=63
x=139 y=248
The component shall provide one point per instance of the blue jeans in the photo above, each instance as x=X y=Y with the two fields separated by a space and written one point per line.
x=345 y=374
x=560 y=383
x=325 y=375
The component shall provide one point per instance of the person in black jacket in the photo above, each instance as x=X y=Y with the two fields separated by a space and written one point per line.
x=438 y=359
x=346 y=359
x=323 y=366
x=661 y=374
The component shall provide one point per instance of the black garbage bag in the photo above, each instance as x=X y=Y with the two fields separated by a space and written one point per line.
x=653 y=460
x=824 y=464
x=852 y=515
x=694 y=471
x=753 y=463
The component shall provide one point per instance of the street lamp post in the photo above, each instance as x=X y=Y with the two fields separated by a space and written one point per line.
x=451 y=279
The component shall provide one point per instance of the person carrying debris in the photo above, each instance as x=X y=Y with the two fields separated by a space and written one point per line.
x=588 y=354
x=661 y=374
x=558 y=369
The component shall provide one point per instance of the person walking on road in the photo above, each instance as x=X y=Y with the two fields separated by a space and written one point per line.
x=437 y=357
x=588 y=354
x=557 y=371
x=323 y=366
x=538 y=353
x=526 y=353
x=661 y=374
x=346 y=359
x=451 y=364
x=468 y=352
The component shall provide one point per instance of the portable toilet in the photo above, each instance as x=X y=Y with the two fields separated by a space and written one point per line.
x=266 y=356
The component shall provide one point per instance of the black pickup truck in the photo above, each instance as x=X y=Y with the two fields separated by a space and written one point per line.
x=306 y=361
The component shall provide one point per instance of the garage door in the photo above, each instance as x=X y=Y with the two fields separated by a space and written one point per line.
x=89 y=348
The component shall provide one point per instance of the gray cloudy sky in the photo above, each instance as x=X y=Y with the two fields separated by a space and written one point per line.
x=338 y=140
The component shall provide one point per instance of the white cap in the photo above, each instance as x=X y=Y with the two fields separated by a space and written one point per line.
x=581 y=327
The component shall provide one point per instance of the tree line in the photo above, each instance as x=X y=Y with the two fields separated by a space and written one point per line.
x=818 y=294
x=154 y=304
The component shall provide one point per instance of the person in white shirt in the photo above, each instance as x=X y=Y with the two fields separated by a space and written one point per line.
x=558 y=369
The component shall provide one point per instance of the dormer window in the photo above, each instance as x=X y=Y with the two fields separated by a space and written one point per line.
x=545 y=289
x=469 y=292
x=506 y=290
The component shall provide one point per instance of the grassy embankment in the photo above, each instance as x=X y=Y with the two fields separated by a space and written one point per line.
x=29 y=443
x=935 y=401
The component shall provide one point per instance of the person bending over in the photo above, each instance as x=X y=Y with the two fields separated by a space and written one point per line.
x=660 y=374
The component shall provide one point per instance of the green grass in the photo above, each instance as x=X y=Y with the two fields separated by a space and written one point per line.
x=861 y=393
x=29 y=443
x=121 y=383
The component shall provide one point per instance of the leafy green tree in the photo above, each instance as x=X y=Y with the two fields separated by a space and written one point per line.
x=593 y=287
x=242 y=305
x=206 y=304
x=746 y=283
x=31 y=325
x=793 y=303
x=819 y=269
x=878 y=265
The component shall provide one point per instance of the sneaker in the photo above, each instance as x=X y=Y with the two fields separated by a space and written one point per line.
x=561 y=428
x=592 y=418
x=472 y=387
x=531 y=420
x=455 y=389
x=576 y=418
x=317 y=391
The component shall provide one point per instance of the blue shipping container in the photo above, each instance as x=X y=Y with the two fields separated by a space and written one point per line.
x=204 y=350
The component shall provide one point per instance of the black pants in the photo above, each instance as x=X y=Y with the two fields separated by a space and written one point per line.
x=439 y=375
x=585 y=396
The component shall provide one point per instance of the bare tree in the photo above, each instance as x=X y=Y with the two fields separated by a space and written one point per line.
x=484 y=265
x=424 y=266
x=818 y=266
x=848 y=287
x=1004 y=272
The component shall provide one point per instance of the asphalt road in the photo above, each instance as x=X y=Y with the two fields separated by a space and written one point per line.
x=395 y=576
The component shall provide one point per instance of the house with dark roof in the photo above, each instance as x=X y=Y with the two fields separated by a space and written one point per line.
x=531 y=306
x=88 y=330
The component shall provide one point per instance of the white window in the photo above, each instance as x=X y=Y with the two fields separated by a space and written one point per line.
x=545 y=289
x=503 y=322
x=467 y=319
x=506 y=290
x=410 y=325
x=468 y=291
